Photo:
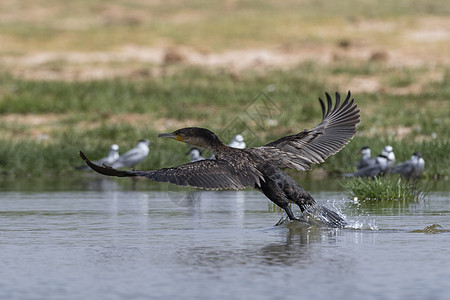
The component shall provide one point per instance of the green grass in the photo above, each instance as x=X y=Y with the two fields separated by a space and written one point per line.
x=382 y=189
x=92 y=115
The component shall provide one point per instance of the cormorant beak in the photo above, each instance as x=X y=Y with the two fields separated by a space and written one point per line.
x=171 y=135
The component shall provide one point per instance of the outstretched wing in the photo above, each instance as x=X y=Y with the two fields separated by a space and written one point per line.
x=298 y=151
x=204 y=174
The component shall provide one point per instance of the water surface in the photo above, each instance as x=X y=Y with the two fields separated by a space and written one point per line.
x=109 y=240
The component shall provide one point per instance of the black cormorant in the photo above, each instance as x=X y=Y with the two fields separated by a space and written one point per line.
x=260 y=167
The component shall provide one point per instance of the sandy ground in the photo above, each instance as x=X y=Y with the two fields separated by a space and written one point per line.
x=126 y=61
x=424 y=45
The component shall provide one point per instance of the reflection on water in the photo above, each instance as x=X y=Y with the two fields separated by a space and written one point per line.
x=386 y=207
x=110 y=239
x=291 y=249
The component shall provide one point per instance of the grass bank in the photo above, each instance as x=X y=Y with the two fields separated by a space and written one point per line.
x=45 y=123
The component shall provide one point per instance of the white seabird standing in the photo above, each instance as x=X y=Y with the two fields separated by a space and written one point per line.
x=133 y=156
x=366 y=158
x=195 y=155
x=388 y=151
x=378 y=169
x=412 y=168
x=237 y=142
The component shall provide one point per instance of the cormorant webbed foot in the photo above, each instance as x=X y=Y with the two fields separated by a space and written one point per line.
x=327 y=217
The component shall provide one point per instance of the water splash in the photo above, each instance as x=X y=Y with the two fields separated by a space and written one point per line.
x=315 y=217
x=362 y=224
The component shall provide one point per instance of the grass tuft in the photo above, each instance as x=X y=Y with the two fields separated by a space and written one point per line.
x=381 y=189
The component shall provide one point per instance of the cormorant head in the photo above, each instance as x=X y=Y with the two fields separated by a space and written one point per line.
x=196 y=136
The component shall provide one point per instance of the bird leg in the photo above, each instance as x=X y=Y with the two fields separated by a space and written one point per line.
x=289 y=212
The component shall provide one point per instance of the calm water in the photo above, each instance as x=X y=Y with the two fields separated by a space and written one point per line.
x=108 y=240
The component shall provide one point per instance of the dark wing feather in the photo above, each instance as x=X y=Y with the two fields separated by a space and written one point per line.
x=204 y=174
x=282 y=159
x=338 y=126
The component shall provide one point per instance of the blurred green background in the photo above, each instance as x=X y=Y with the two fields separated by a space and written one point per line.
x=83 y=75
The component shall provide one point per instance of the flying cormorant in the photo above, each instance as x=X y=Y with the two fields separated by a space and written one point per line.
x=260 y=167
